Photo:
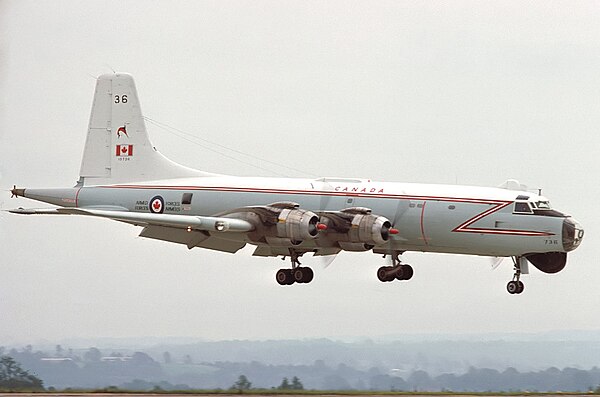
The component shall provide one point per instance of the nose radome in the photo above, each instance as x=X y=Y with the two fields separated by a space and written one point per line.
x=572 y=234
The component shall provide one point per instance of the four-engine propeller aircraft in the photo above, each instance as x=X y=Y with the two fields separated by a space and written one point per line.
x=124 y=178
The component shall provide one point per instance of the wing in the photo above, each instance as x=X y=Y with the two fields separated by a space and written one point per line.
x=216 y=233
x=192 y=239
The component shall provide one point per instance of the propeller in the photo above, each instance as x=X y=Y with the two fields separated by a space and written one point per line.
x=14 y=193
x=324 y=260
x=327 y=260
x=395 y=233
x=495 y=261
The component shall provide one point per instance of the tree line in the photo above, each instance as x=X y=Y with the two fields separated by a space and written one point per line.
x=139 y=371
x=13 y=377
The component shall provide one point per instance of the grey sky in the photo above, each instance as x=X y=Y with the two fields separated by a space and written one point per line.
x=467 y=92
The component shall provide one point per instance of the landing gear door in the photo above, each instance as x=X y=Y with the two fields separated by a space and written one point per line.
x=524 y=265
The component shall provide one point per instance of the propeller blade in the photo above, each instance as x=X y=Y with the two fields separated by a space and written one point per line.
x=326 y=261
x=495 y=261
x=394 y=232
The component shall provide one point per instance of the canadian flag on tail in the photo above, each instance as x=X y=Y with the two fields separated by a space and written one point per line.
x=124 y=150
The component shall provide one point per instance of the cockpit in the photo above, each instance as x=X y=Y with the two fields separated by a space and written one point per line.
x=537 y=205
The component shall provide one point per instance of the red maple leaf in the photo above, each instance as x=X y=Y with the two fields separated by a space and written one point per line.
x=156 y=205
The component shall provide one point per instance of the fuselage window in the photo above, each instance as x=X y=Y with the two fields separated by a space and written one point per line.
x=186 y=198
x=522 y=208
x=451 y=207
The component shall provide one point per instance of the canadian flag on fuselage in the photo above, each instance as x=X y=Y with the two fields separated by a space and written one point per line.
x=124 y=150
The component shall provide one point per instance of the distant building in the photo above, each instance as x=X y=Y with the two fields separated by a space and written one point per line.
x=112 y=359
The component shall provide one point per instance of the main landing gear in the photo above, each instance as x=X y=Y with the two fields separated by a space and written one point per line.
x=397 y=271
x=516 y=286
x=297 y=274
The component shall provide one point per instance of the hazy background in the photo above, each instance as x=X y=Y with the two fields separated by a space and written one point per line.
x=449 y=92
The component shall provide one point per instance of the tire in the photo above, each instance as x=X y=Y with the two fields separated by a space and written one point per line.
x=520 y=287
x=284 y=277
x=382 y=274
x=299 y=275
x=407 y=272
x=308 y=274
x=512 y=287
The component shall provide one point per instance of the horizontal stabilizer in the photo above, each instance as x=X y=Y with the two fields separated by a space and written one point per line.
x=35 y=211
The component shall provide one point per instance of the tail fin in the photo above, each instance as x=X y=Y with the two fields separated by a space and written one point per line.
x=117 y=148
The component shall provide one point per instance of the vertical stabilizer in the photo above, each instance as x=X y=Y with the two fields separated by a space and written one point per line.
x=117 y=148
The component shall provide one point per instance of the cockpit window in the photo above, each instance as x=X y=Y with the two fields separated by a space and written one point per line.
x=522 y=207
x=544 y=205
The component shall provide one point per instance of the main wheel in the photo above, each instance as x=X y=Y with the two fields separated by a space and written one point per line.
x=303 y=275
x=308 y=274
x=512 y=287
x=284 y=277
x=406 y=273
x=383 y=275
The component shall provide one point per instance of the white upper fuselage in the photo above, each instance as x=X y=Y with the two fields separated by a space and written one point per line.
x=436 y=218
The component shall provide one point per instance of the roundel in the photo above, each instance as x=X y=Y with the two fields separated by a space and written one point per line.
x=157 y=205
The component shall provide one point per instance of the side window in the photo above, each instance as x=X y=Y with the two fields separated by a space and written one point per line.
x=186 y=198
x=522 y=208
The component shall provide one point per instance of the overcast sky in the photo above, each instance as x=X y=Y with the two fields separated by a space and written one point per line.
x=439 y=92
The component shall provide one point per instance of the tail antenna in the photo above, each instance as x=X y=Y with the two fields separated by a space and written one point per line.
x=110 y=67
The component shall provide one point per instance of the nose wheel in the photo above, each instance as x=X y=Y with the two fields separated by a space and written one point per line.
x=297 y=274
x=397 y=271
x=516 y=286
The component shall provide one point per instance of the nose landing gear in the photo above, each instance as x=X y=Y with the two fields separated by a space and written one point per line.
x=297 y=274
x=516 y=286
x=397 y=271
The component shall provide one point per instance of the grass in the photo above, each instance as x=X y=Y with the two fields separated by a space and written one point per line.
x=274 y=392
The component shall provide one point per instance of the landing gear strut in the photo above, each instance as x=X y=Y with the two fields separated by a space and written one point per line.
x=516 y=286
x=297 y=274
x=397 y=271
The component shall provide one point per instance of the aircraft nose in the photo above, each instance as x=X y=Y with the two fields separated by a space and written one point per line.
x=572 y=234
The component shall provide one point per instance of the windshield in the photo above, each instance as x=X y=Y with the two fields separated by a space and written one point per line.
x=522 y=207
x=544 y=205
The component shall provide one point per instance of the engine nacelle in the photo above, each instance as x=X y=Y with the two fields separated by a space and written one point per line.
x=296 y=225
x=358 y=229
x=370 y=229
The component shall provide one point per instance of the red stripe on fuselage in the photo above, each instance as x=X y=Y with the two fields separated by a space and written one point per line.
x=463 y=228
x=306 y=192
